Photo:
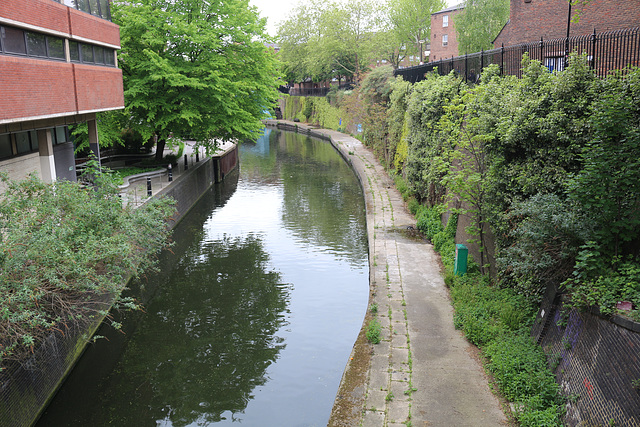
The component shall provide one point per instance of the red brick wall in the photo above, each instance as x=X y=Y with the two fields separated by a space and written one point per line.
x=438 y=51
x=54 y=16
x=93 y=28
x=98 y=87
x=548 y=19
x=42 y=13
x=35 y=87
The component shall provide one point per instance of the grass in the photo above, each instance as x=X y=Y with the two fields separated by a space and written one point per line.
x=374 y=330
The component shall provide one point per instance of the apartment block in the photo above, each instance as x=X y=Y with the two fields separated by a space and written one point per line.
x=58 y=67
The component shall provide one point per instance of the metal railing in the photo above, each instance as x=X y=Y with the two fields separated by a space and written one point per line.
x=606 y=51
x=317 y=91
x=321 y=91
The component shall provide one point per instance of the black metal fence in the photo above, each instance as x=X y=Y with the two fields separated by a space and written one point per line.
x=317 y=91
x=606 y=51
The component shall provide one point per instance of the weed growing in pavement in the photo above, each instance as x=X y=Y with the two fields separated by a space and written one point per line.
x=373 y=331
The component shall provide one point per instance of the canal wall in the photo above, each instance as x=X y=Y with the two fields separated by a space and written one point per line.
x=194 y=182
x=27 y=388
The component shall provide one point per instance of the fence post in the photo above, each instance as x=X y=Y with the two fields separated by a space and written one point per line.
x=466 y=67
x=593 y=50
x=481 y=61
x=502 y=60
x=541 y=51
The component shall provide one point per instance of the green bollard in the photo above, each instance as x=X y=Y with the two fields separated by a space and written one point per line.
x=460 y=265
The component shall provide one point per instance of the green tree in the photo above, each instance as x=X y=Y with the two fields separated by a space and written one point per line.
x=479 y=24
x=195 y=68
x=608 y=185
x=333 y=40
x=411 y=21
x=297 y=36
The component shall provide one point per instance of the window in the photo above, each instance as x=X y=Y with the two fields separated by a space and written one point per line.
x=74 y=51
x=109 y=57
x=21 y=42
x=98 y=8
x=87 y=53
x=26 y=142
x=59 y=135
x=13 y=41
x=445 y=21
x=16 y=41
x=55 y=48
x=5 y=146
x=99 y=54
x=445 y=40
x=36 y=44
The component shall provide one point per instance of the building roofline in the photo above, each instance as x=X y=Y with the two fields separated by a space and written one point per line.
x=501 y=30
x=450 y=9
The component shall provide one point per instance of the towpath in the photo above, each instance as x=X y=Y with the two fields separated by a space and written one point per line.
x=423 y=372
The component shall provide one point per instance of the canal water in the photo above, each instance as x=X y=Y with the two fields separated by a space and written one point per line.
x=253 y=313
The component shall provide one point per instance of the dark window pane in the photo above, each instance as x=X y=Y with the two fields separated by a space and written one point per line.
x=5 y=146
x=56 y=47
x=87 y=53
x=36 y=44
x=74 y=51
x=109 y=57
x=22 y=142
x=104 y=9
x=93 y=5
x=13 y=40
x=34 y=139
x=60 y=135
x=83 y=5
x=99 y=54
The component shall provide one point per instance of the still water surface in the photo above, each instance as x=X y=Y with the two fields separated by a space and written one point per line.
x=253 y=313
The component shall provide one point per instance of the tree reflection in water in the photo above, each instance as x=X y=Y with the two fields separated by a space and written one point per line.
x=207 y=339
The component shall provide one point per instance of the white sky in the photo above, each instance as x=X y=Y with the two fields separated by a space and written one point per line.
x=277 y=10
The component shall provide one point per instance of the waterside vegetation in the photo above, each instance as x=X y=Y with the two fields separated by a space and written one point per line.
x=543 y=168
x=67 y=251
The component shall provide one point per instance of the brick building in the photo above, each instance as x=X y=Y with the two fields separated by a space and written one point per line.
x=444 y=40
x=530 y=20
x=58 y=67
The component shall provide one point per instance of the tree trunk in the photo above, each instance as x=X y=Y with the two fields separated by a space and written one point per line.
x=160 y=149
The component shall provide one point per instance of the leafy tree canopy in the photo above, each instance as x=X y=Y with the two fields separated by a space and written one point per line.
x=479 y=24
x=321 y=41
x=195 y=68
x=410 y=20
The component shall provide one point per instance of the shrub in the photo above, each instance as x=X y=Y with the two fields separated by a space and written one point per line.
x=63 y=249
x=498 y=320
x=428 y=220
